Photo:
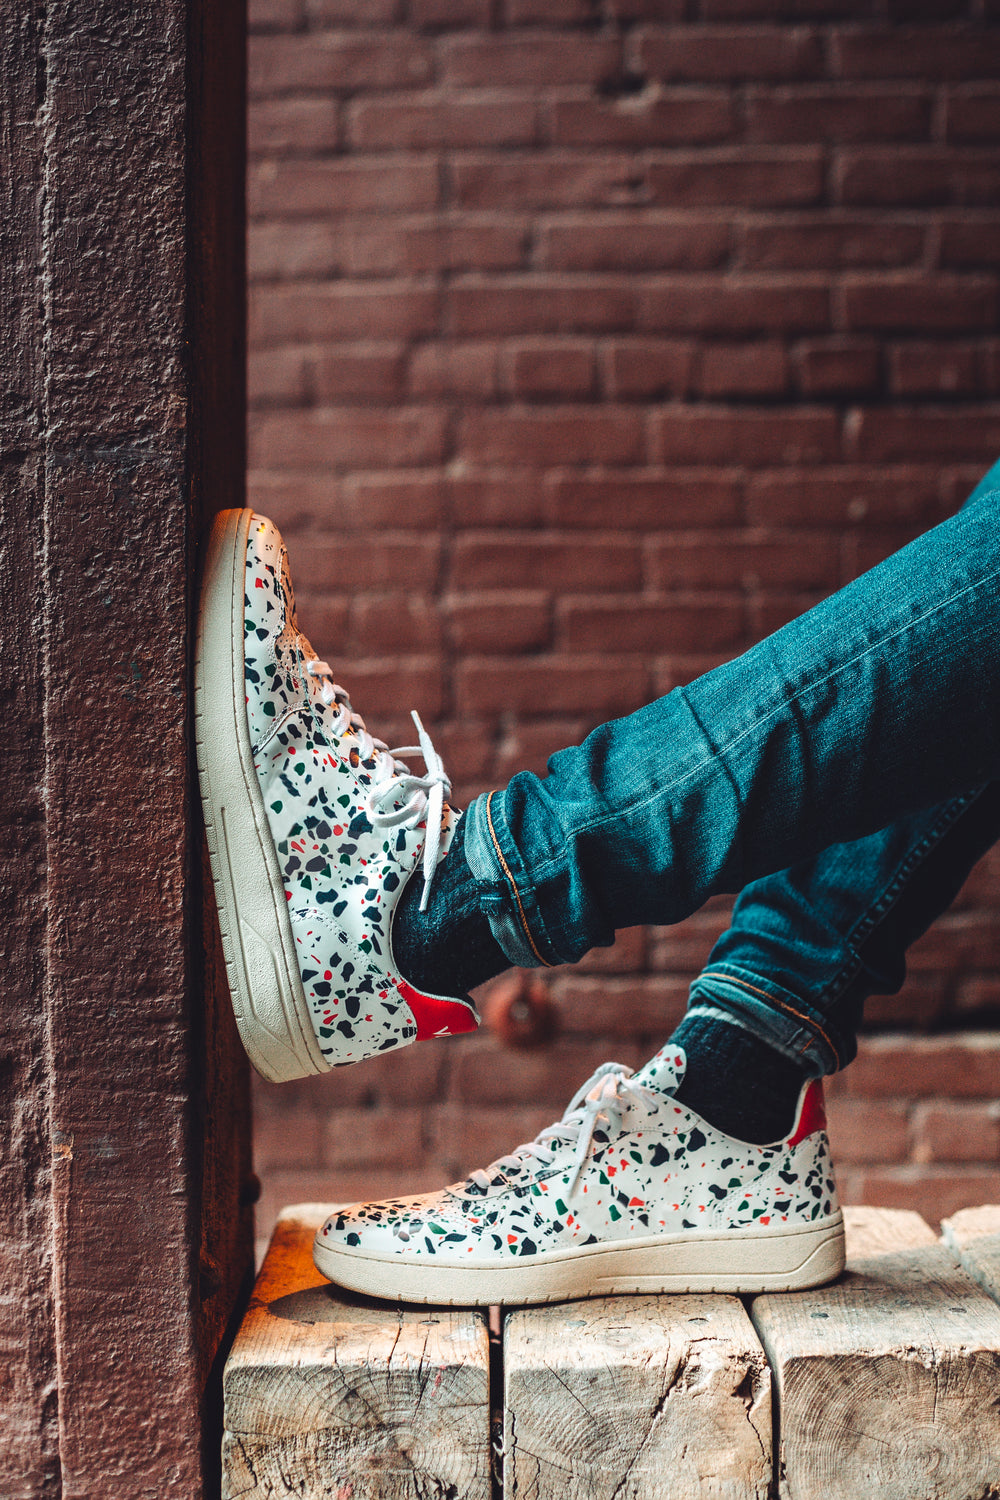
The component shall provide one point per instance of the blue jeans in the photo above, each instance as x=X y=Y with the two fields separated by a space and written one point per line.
x=843 y=774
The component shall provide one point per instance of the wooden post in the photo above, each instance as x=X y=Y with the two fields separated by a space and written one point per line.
x=124 y=1181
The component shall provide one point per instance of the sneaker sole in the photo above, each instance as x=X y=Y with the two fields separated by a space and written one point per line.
x=748 y=1261
x=257 y=942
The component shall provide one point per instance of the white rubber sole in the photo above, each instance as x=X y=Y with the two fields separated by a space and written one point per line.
x=745 y=1260
x=261 y=961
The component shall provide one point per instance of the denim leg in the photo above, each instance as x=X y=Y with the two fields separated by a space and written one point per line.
x=879 y=703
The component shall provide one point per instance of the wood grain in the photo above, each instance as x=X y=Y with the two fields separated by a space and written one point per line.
x=974 y=1235
x=636 y=1398
x=328 y=1394
x=887 y=1380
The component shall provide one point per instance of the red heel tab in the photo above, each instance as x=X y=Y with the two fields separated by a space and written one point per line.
x=812 y=1112
x=436 y=1017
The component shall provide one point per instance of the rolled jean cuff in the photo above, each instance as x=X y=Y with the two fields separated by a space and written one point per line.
x=773 y=1014
x=507 y=896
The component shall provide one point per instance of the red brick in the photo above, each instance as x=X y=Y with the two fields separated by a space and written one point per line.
x=512 y=620
x=385 y=246
x=973 y=240
x=766 y=613
x=293 y=125
x=345 y=438
x=912 y=304
x=626 y=624
x=968 y=434
x=274 y=15
x=289 y=1139
x=958 y=939
x=445 y=370
x=966 y=1066
x=671 y=672
x=351 y=12
x=828 y=243
x=837 y=367
x=373 y=501
x=738 y=304
x=528 y=60
x=486 y=1074
x=472 y=1138
x=933 y=1192
x=443 y=14
x=862 y=1130
x=645 y=500
x=419 y=121
x=339 y=61
x=683 y=948
x=627 y=955
x=541 y=369
x=642 y=367
x=382 y=561
x=328 y=313
x=508 y=498
x=749 y=176
x=843 y=497
x=755 y=438
x=560 y=435
x=539 y=304
x=640 y=1006
x=599 y=686
x=956 y=1132
x=293 y=187
x=551 y=12
x=825 y=112
x=917 y=176
x=395 y=622
x=489 y=560
x=743 y=370
x=527 y=744
x=552 y=179
x=276 y=377
x=378 y=686
x=466 y=749
x=676 y=117
x=346 y=375
x=923 y=52
x=290 y=251
x=933 y=370
x=355 y=1140
x=742 y=560
x=973 y=113
x=716 y=54
x=650 y=240
x=294 y=500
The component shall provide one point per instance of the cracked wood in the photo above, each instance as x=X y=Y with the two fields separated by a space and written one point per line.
x=331 y=1394
x=886 y=1380
x=636 y=1398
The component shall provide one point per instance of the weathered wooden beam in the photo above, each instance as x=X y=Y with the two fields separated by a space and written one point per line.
x=636 y=1398
x=330 y=1394
x=886 y=1381
x=974 y=1235
x=126 y=1231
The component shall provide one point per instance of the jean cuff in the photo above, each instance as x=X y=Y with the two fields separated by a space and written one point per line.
x=507 y=896
x=771 y=1013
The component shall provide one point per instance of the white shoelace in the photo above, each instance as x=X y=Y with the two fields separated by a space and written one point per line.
x=423 y=797
x=603 y=1099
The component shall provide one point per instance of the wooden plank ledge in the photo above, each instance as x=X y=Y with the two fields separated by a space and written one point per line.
x=329 y=1394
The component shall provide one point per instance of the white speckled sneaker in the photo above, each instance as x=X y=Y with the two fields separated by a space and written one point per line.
x=629 y=1192
x=313 y=827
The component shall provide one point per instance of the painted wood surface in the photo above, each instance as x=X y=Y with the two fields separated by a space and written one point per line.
x=328 y=1394
x=887 y=1380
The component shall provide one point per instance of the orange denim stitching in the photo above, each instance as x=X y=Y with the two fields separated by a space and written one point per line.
x=513 y=884
x=773 y=999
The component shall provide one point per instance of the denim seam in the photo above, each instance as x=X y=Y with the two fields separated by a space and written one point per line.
x=881 y=907
x=806 y=1021
x=718 y=753
x=512 y=883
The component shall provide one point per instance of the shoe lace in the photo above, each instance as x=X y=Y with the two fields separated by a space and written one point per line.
x=397 y=795
x=602 y=1100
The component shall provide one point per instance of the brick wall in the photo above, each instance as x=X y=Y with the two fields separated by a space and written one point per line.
x=590 y=341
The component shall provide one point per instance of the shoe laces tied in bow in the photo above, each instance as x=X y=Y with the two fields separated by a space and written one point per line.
x=397 y=796
x=601 y=1101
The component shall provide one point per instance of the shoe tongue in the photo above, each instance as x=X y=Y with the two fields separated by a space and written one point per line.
x=664 y=1070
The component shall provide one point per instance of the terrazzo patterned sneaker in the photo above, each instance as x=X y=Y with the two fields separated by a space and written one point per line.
x=313 y=827
x=629 y=1192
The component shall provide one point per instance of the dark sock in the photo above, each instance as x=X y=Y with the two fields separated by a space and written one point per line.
x=449 y=948
x=737 y=1082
